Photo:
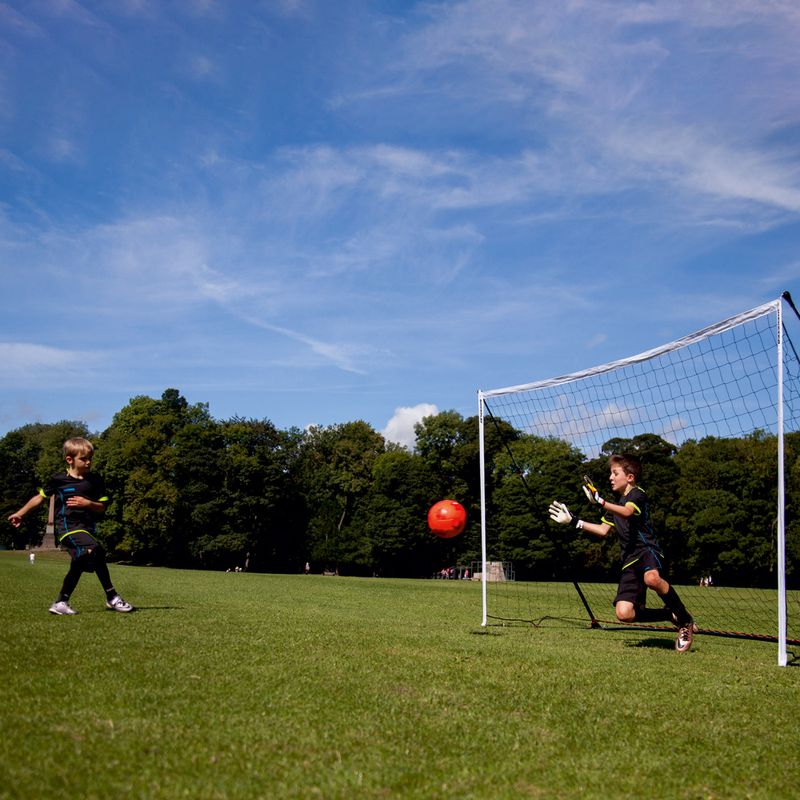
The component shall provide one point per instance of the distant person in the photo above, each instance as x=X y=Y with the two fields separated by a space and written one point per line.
x=80 y=500
x=307 y=568
x=643 y=563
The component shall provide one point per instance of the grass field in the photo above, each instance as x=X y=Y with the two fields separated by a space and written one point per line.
x=274 y=686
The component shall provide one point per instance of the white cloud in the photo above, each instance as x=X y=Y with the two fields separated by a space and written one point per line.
x=597 y=340
x=31 y=365
x=400 y=428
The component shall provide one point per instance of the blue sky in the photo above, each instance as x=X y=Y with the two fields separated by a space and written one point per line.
x=318 y=212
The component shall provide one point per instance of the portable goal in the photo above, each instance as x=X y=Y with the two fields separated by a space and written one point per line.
x=734 y=384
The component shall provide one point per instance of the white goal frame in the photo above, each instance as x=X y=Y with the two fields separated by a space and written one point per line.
x=774 y=307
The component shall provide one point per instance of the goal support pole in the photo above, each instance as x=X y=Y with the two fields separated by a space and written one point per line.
x=782 y=651
x=482 y=462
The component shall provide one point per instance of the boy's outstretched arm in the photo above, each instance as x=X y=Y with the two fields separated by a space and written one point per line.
x=16 y=518
x=563 y=516
x=593 y=496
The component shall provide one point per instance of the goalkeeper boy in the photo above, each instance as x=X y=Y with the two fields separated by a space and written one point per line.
x=642 y=558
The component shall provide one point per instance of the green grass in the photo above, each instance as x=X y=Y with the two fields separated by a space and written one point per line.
x=274 y=686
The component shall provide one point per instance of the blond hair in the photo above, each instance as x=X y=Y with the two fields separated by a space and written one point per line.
x=78 y=446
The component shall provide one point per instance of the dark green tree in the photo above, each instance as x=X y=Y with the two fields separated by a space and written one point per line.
x=727 y=507
x=533 y=473
x=393 y=517
x=262 y=520
x=335 y=473
x=139 y=458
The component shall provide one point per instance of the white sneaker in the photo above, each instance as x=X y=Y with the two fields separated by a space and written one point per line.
x=118 y=604
x=61 y=607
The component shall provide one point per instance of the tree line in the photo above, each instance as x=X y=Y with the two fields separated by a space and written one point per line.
x=187 y=490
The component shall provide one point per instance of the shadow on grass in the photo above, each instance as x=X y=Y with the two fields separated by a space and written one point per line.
x=135 y=610
x=654 y=643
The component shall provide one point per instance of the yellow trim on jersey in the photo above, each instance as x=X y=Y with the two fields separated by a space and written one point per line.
x=77 y=530
x=636 y=509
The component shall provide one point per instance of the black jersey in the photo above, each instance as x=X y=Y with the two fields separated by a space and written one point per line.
x=75 y=526
x=635 y=532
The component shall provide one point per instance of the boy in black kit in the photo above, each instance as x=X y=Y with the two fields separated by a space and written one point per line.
x=642 y=558
x=80 y=498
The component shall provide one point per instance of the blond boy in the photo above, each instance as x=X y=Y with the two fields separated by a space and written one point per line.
x=80 y=500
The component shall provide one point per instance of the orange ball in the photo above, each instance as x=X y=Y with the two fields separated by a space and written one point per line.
x=447 y=518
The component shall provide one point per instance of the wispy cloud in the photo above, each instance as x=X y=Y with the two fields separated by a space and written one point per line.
x=32 y=365
x=593 y=68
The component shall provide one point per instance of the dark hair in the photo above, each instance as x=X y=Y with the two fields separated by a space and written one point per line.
x=630 y=463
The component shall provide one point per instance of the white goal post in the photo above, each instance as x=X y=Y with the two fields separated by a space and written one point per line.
x=734 y=381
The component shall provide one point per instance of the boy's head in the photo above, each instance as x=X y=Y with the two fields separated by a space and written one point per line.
x=77 y=446
x=78 y=455
x=627 y=466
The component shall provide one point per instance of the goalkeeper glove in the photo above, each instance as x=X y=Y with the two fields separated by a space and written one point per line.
x=563 y=516
x=593 y=494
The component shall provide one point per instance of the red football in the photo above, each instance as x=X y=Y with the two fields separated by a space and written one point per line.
x=447 y=518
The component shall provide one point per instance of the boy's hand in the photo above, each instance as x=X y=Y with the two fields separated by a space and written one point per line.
x=78 y=501
x=593 y=494
x=563 y=516
x=15 y=520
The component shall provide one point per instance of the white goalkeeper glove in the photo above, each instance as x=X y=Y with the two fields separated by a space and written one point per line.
x=563 y=516
x=592 y=493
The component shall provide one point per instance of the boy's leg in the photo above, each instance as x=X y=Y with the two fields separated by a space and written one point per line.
x=644 y=614
x=672 y=602
x=61 y=605
x=675 y=608
x=113 y=600
x=98 y=556
x=629 y=604
x=70 y=580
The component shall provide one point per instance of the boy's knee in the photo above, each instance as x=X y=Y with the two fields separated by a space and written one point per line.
x=626 y=612
x=653 y=580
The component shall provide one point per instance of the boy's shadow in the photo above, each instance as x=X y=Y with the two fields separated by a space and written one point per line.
x=139 y=609
x=655 y=643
